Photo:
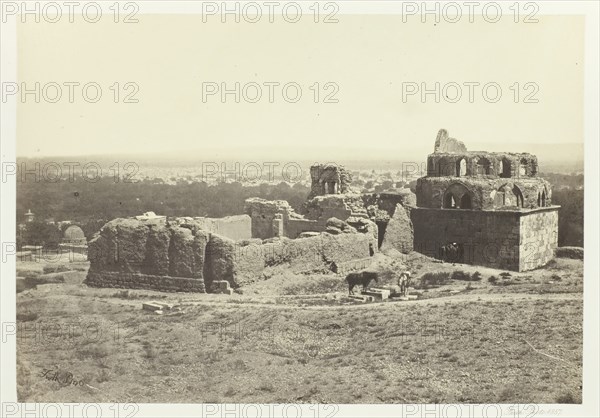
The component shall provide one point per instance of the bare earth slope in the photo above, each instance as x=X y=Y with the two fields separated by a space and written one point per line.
x=517 y=340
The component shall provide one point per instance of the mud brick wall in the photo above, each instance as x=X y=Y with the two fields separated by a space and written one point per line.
x=294 y=227
x=130 y=253
x=230 y=261
x=144 y=281
x=262 y=213
x=539 y=238
x=244 y=264
x=138 y=251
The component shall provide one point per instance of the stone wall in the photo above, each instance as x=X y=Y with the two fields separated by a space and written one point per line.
x=488 y=238
x=539 y=238
x=143 y=281
x=142 y=252
x=181 y=256
x=263 y=214
x=241 y=264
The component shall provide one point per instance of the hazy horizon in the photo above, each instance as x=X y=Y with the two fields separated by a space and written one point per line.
x=368 y=57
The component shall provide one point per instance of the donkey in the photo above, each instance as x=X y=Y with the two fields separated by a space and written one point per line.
x=360 y=278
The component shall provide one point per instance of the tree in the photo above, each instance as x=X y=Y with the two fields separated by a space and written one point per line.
x=41 y=233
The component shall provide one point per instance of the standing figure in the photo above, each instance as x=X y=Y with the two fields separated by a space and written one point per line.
x=404 y=282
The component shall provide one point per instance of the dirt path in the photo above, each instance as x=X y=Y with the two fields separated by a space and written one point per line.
x=235 y=301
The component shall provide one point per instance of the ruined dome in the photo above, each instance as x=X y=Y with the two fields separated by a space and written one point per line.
x=74 y=233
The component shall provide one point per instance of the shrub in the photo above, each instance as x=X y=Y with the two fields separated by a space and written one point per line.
x=505 y=274
x=460 y=275
x=476 y=276
x=492 y=279
x=434 y=279
x=556 y=277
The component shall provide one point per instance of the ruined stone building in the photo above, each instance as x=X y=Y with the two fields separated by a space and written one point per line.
x=492 y=206
x=338 y=231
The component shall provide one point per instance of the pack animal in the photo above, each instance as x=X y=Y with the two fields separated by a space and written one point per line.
x=362 y=278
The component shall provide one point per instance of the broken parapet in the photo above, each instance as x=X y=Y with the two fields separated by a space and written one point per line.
x=443 y=143
x=264 y=215
x=329 y=179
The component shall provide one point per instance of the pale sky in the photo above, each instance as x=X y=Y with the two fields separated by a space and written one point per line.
x=368 y=57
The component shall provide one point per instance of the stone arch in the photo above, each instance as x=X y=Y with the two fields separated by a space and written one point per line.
x=505 y=168
x=544 y=198
x=449 y=202
x=523 y=167
x=508 y=195
x=461 y=167
x=519 y=195
x=457 y=196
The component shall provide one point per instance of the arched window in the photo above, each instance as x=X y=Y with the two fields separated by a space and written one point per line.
x=543 y=199
x=457 y=196
x=449 y=202
x=505 y=168
x=508 y=195
x=519 y=196
x=523 y=171
x=461 y=167
x=483 y=166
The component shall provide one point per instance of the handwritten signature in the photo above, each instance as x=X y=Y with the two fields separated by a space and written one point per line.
x=63 y=378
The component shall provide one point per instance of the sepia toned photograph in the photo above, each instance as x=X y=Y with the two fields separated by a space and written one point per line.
x=299 y=209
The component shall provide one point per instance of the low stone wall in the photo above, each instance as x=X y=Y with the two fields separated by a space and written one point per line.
x=144 y=281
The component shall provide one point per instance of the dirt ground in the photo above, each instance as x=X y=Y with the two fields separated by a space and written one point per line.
x=516 y=338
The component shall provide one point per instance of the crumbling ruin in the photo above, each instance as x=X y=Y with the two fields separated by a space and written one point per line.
x=337 y=232
x=492 y=206
x=481 y=208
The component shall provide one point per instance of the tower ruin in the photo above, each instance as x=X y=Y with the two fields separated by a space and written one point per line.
x=491 y=207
